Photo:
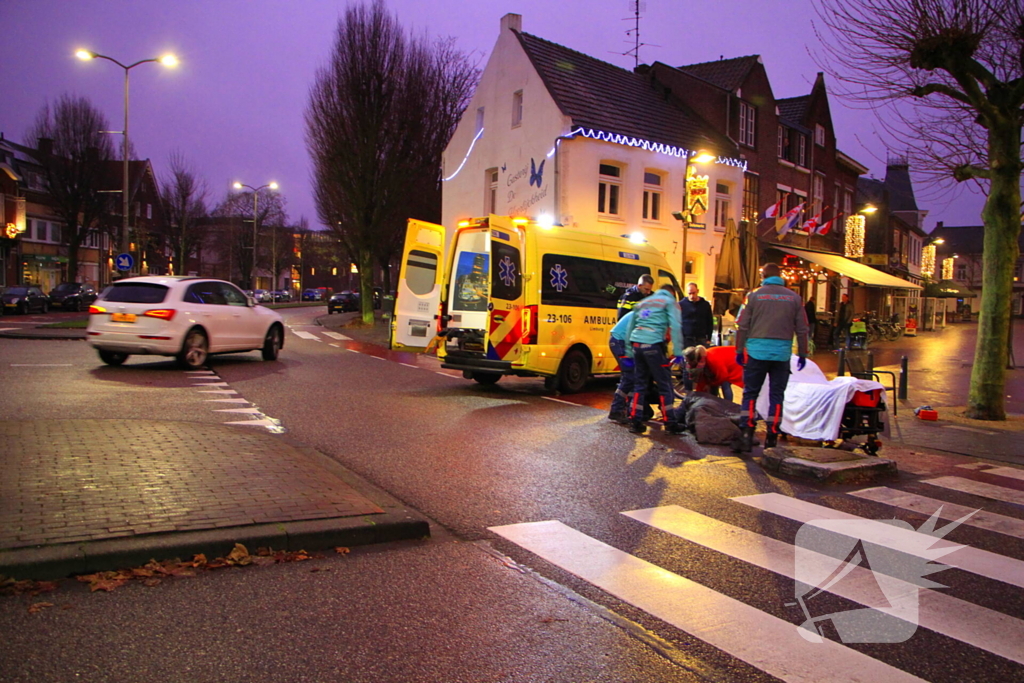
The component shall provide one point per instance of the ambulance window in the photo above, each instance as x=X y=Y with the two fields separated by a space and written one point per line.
x=667 y=278
x=470 y=291
x=590 y=283
x=506 y=273
x=421 y=271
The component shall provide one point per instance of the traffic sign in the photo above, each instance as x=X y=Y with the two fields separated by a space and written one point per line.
x=124 y=262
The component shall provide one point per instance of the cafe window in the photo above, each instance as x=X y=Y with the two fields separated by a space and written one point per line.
x=609 y=188
x=652 y=196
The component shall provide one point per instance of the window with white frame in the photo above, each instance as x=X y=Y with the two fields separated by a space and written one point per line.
x=751 y=197
x=479 y=119
x=609 y=189
x=41 y=230
x=819 y=134
x=818 y=197
x=961 y=272
x=491 y=197
x=748 y=116
x=783 y=142
x=847 y=203
x=652 y=196
x=517 y=108
x=723 y=206
x=149 y=211
x=801 y=150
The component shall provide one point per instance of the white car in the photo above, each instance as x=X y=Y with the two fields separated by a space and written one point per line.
x=186 y=317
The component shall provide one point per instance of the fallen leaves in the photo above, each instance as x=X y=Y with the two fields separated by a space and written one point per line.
x=153 y=573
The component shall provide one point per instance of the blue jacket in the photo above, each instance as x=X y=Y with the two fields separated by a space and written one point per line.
x=621 y=329
x=653 y=319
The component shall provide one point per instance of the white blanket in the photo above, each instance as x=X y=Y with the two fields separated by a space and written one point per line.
x=814 y=405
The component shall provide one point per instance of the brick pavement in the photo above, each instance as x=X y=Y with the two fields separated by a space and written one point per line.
x=73 y=481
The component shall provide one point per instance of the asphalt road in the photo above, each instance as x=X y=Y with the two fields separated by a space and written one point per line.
x=556 y=477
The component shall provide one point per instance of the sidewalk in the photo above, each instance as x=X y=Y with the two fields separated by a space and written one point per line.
x=89 y=495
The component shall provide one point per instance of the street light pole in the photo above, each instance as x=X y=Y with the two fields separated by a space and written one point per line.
x=167 y=60
x=686 y=215
x=255 y=219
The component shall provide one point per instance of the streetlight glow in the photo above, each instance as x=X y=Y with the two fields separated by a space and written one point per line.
x=272 y=186
x=255 y=222
x=169 y=60
x=703 y=158
x=85 y=55
x=869 y=208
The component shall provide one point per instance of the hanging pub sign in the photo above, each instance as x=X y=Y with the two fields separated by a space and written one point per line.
x=697 y=193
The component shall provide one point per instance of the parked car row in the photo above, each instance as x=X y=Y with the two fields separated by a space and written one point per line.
x=67 y=296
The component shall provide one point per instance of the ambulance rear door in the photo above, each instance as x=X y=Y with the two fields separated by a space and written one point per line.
x=419 y=287
x=505 y=324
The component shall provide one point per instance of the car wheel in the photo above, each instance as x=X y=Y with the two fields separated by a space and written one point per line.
x=46 y=307
x=23 y=308
x=194 y=350
x=486 y=377
x=272 y=343
x=573 y=372
x=80 y=305
x=113 y=357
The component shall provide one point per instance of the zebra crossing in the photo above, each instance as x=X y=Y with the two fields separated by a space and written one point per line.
x=793 y=651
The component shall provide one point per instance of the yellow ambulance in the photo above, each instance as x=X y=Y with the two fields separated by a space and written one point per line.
x=518 y=298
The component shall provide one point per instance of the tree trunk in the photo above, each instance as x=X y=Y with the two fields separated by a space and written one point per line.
x=366 y=285
x=985 y=400
x=74 y=241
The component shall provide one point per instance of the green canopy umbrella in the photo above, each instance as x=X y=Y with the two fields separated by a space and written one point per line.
x=729 y=273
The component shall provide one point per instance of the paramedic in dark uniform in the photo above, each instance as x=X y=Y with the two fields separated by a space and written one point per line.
x=653 y=319
x=641 y=290
x=697 y=323
x=771 y=317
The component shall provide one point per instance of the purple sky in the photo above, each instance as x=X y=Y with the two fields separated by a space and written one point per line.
x=234 y=107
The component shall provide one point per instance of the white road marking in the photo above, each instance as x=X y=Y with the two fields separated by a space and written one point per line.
x=1010 y=472
x=983 y=628
x=306 y=335
x=255 y=423
x=336 y=335
x=410 y=365
x=6 y=329
x=443 y=374
x=978 y=488
x=990 y=521
x=226 y=400
x=558 y=400
x=218 y=391
x=353 y=351
x=200 y=372
x=980 y=562
x=212 y=384
x=375 y=357
x=973 y=465
x=40 y=365
x=247 y=411
x=337 y=346
x=717 y=619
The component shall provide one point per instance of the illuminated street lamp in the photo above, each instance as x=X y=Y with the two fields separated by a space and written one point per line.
x=693 y=183
x=255 y=206
x=167 y=60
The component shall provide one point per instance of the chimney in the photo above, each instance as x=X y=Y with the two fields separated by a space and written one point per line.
x=45 y=147
x=938 y=226
x=512 y=22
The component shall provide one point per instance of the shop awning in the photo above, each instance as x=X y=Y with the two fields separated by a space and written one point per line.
x=867 y=275
x=947 y=289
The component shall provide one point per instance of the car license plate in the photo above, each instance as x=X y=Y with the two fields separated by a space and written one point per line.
x=122 y=317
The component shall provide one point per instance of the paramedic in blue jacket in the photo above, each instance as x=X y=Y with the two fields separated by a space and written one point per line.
x=647 y=333
x=623 y=392
x=764 y=344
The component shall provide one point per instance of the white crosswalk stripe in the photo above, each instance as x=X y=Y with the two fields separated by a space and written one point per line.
x=978 y=488
x=993 y=631
x=974 y=560
x=717 y=619
x=778 y=646
x=991 y=521
x=336 y=335
x=306 y=335
x=1010 y=472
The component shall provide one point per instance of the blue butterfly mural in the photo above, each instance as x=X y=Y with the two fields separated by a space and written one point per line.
x=536 y=173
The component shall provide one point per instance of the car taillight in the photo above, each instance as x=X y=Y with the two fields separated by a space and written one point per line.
x=96 y=309
x=530 y=325
x=161 y=313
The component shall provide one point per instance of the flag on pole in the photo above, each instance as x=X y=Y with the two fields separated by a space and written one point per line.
x=823 y=229
x=811 y=224
x=789 y=221
x=773 y=210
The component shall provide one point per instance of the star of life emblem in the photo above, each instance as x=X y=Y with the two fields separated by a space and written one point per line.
x=559 y=278
x=507 y=272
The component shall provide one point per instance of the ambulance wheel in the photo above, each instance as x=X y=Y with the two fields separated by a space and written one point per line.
x=486 y=377
x=573 y=372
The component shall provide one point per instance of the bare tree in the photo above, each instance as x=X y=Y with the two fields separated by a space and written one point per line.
x=74 y=167
x=184 y=197
x=952 y=73
x=379 y=116
x=237 y=240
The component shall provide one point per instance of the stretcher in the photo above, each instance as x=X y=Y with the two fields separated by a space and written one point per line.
x=819 y=409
